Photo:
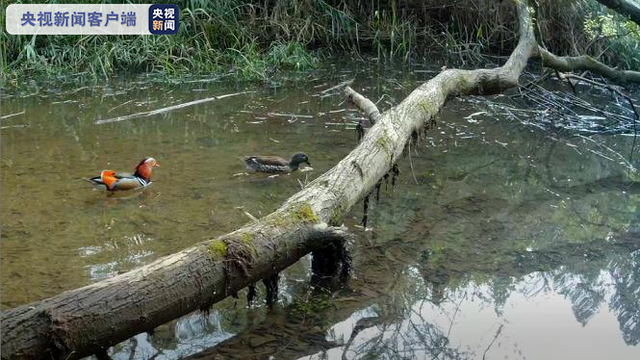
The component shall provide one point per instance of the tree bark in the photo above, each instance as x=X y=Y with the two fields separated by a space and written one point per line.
x=88 y=320
x=629 y=8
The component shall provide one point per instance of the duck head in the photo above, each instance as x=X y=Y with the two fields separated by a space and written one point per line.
x=297 y=159
x=143 y=170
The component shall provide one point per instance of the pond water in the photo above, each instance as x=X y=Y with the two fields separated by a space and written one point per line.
x=501 y=240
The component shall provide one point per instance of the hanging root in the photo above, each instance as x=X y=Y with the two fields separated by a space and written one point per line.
x=360 y=131
x=378 y=185
x=251 y=294
x=415 y=138
x=395 y=171
x=428 y=126
x=365 y=215
x=271 y=284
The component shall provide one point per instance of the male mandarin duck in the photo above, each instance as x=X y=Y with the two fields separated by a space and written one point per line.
x=115 y=181
x=275 y=164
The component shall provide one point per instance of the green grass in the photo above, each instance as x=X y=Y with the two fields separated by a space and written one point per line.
x=214 y=37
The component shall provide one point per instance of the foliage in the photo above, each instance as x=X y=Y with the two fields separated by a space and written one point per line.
x=614 y=36
x=253 y=39
x=214 y=37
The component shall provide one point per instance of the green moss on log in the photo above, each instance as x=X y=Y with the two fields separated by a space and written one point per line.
x=428 y=107
x=304 y=212
x=301 y=212
x=247 y=238
x=383 y=142
x=278 y=219
x=218 y=249
x=336 y=216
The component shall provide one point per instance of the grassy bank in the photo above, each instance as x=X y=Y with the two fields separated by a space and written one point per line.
x=253 y=39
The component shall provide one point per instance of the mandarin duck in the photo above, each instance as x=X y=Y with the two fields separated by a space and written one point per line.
x=275 y=164
x=116 y=181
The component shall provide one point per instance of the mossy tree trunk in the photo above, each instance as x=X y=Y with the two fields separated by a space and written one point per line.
x=88 y=320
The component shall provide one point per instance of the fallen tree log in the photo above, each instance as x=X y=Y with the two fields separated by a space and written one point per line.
x=90 y=319
x=87 y=320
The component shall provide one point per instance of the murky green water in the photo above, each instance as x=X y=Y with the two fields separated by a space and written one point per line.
x=504 y=241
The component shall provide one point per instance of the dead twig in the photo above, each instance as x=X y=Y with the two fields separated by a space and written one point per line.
x=301 y=116
x=568 y=76
x=337 y=87
x=14 y=126
x=12 y=115
x=484 y=355
x=605 y=86
x=167 y=109
x=124 y=103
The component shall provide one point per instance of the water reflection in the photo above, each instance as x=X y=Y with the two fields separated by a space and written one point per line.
x=512 y=316
x=191 y=334
x=131 y=251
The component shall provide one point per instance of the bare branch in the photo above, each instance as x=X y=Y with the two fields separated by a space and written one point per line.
x=585 y=62
x=365 y=105
x=167 y=109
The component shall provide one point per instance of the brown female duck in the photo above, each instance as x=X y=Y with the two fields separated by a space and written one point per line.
x=275 y=164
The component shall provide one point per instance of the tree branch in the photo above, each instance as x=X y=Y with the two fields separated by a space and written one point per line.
x=365 y=105
x=585 y=62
